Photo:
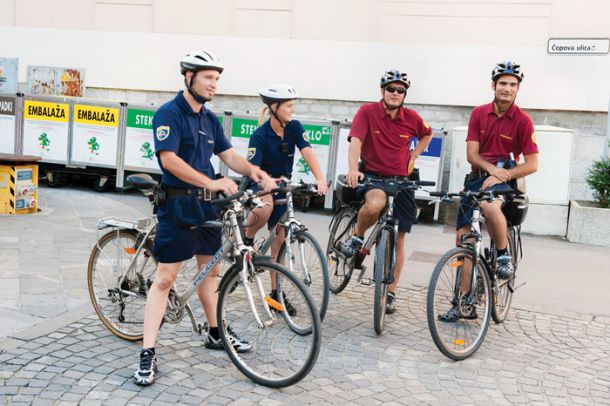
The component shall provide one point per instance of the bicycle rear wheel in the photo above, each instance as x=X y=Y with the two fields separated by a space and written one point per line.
x=309 y=264
x=382 y=274
x=121 y=308
x=459 y=339
x=503 y=288
x=285 y=349
x=340 y=268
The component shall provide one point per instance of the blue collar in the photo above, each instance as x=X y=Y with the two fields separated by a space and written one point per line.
x=185 y=106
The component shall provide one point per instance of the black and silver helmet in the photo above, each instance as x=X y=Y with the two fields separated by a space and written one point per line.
x=394 y=75
x=507 y=68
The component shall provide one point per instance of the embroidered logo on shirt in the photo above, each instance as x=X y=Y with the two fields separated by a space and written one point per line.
x=306 y=136
x=506 y=137
x=162 y=132
x=534 y=138
x=426 y=126
x=251 y=153
x=404 y=136
x=210 y=141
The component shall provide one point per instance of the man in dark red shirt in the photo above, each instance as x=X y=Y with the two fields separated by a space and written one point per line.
x=495 y=132
x=381 y=135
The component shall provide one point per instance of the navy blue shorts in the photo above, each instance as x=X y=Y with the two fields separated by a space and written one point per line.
x=466 y=204
x=278 y=209
x=176 y=244
x=405 y=208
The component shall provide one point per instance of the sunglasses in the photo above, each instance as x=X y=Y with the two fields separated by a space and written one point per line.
x=392 y=89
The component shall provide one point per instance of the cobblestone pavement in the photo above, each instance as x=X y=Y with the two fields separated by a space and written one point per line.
x=533 y=358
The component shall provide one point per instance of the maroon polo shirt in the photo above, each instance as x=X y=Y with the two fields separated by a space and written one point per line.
x=386 y=141
x=499 y=136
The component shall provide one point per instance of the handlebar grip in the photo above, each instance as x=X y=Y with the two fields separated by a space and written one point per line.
x=426 y=183
x=437 y=194
x=228 y=198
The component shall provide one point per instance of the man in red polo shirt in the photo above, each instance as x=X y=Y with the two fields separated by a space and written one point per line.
x=381 y=136
x=495 y=131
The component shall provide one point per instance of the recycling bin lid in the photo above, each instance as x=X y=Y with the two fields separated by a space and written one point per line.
x=13 y=159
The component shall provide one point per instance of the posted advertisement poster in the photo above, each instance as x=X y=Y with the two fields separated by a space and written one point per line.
x=45 y=130
x=55 y=81
x=7 y=124
x=429 y=164
x=8 y=75
x=139 y=140
x=95 y=135
x=241 y=130
x=319 y=138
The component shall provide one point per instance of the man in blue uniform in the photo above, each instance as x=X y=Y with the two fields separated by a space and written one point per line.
x=186 y=135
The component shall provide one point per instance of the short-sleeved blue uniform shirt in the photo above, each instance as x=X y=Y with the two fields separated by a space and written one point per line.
x=194 y=137
x=273 y=154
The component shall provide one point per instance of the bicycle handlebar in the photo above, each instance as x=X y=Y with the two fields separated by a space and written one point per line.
x=475 y=194
x=402 y=181
x=223 y=200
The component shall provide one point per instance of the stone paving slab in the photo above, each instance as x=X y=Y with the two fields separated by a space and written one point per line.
x=533 y=358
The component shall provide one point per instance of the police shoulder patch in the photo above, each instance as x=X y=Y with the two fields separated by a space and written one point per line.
x=306 y=136
x=534 y=138
x=251 y=153
x=162 y=132
x=426 y=125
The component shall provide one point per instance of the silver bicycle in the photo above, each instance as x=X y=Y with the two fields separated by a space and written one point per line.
x=121 y=269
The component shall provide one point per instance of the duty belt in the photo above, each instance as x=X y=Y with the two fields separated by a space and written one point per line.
x=204 y=195
x=476 y=175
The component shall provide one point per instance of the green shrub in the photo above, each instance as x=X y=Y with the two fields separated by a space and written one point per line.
x=599 y=181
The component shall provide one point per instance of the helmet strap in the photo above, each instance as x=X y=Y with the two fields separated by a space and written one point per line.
x=274 y=114
x=198 y=98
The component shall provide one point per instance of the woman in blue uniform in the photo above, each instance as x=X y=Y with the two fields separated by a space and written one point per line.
x=272 y=147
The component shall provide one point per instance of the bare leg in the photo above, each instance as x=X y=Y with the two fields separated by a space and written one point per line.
x=275 y=250
x=466 y=273
x=368 y=214
x=208 y=290
x=259 y=217
x=156 y=301
x=400 y=260
x=496 y=223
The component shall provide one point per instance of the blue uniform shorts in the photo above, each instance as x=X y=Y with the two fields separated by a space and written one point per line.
x=278 y=209
x=405 y=208
x=466 y=206
x=176 y=244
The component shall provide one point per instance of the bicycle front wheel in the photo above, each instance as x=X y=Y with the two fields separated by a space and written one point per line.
x=503 y=288
x=120 y=305
x=340 y=268
x=382 y=274
x=285 y=347
x=309 y=264
x=458 y=327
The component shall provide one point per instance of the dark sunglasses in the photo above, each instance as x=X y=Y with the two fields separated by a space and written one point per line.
x=392 y=89
x=284 y=147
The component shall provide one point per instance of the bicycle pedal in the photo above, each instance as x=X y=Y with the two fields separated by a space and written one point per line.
x=362 y=271
x=366 y=281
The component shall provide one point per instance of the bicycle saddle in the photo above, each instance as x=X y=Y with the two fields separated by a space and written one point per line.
x=142 y=181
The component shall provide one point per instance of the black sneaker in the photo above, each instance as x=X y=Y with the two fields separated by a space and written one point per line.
x=352 y=246
x=504 y=267
x=248 y=241
x=239 y=345
x=390 y=303
x=454 y=315
x=292 y=311
x=145 y=375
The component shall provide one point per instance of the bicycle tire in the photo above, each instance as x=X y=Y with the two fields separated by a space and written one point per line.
x=340 y=269
x=266 y=362
x=105 y=298
x=502 y=288
x=318 y=272
x=455 y=339
x=382 y=272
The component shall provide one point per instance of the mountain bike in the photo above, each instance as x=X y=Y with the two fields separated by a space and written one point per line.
x=465 y=277
x=383 y=236
x=121 y=269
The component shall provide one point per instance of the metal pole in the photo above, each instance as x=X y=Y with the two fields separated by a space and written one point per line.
x=120 y=156
x=607 y=144
x=332 y=163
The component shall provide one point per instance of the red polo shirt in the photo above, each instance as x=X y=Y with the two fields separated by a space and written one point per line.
x=499 y=136
x=385 y=141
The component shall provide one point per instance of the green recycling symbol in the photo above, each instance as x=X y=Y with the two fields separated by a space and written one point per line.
x=44 y=141
x=302 y=167
x=93 y=146
x=147 y=151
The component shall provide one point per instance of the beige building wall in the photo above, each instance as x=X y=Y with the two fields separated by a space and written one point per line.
x=470 y=22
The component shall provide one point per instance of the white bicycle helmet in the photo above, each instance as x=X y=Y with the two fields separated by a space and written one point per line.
x=278 y=94
x=392 y=76
x=200 y=60
x=507 y=68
